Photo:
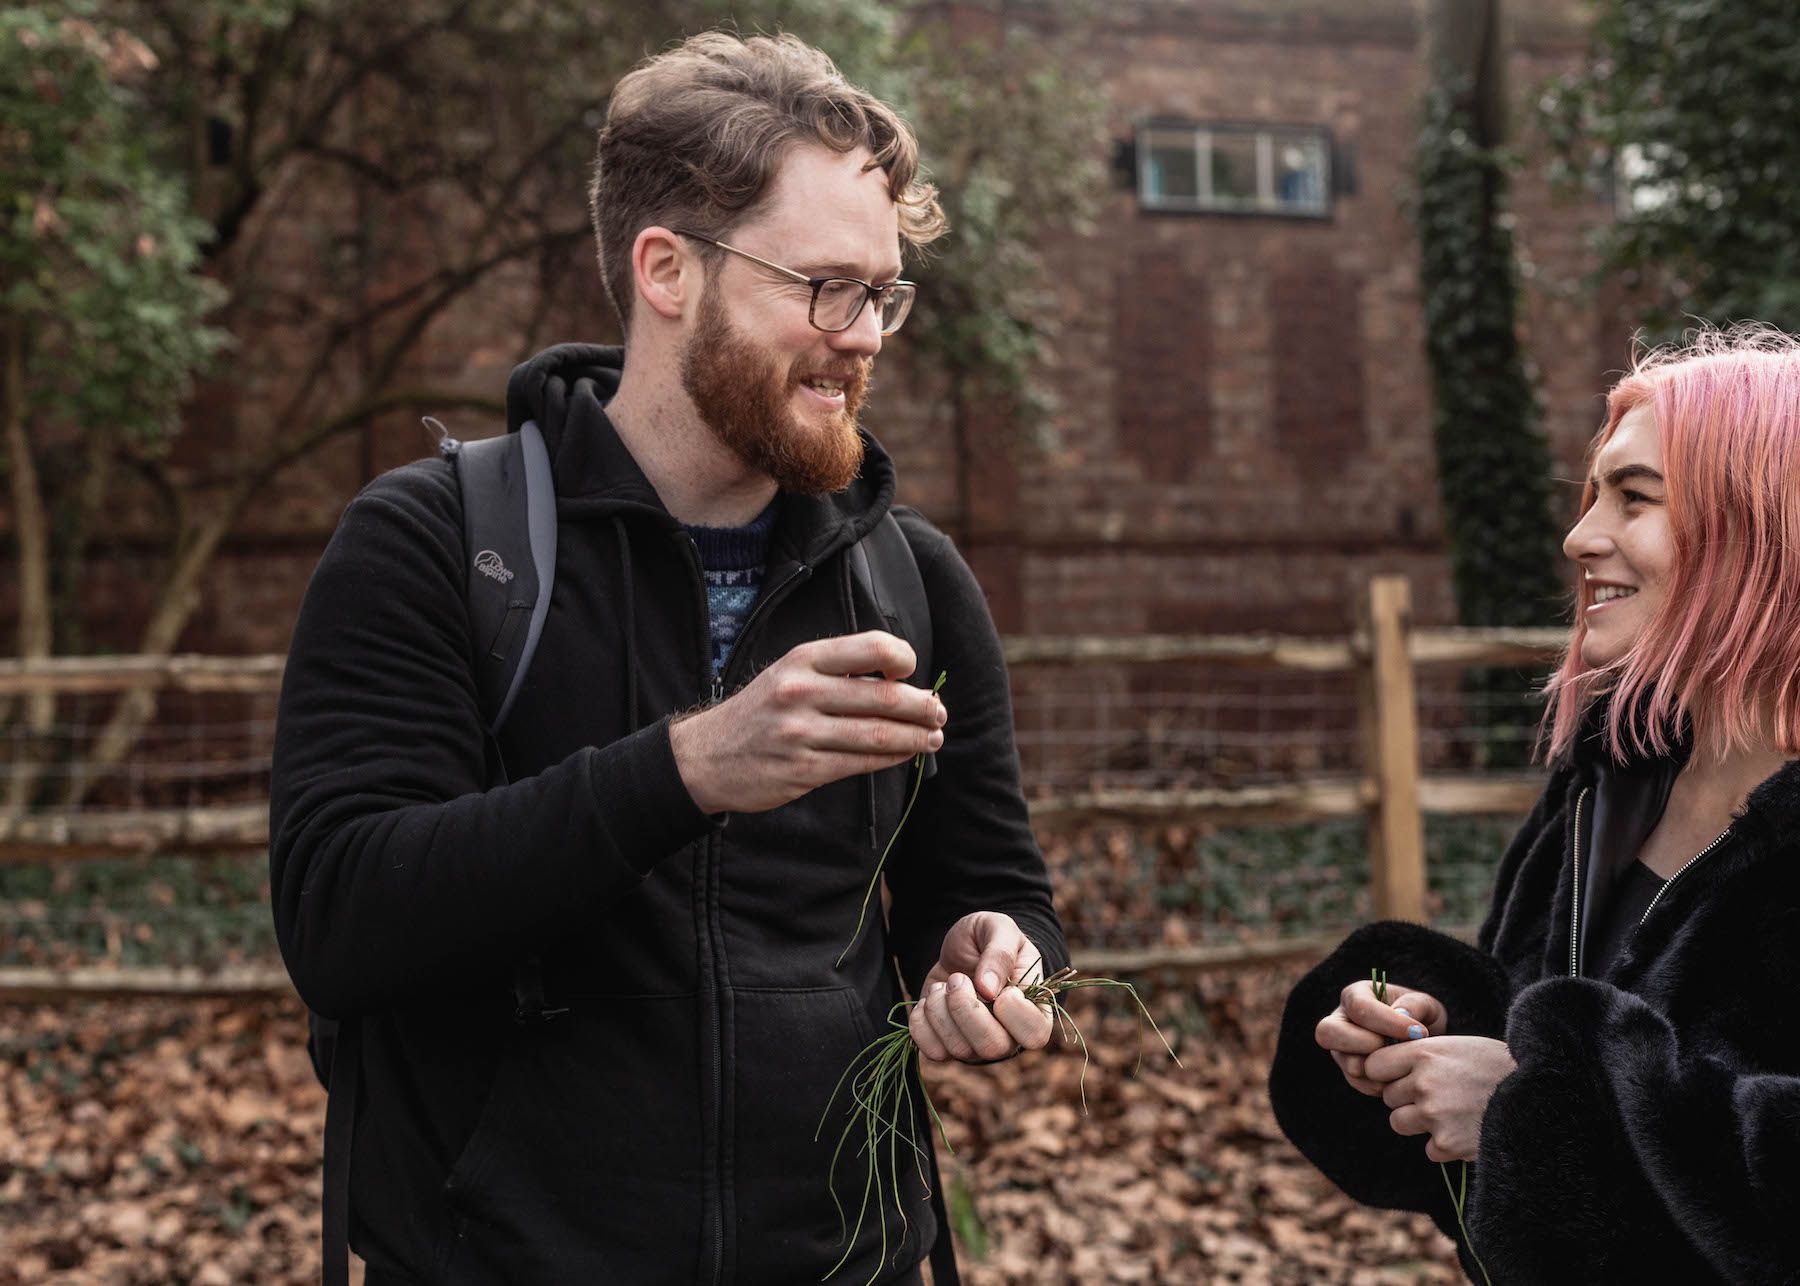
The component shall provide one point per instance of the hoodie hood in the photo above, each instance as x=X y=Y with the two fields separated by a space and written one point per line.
x=565 y=389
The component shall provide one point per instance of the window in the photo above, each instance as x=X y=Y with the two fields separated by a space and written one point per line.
x=1247 y=169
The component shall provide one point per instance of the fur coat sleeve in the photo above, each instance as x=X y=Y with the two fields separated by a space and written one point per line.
x=1343 y=1132
x=1346 y=1133
x=1620 y=1151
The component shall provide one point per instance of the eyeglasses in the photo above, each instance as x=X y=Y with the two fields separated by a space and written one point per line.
x=836 y=301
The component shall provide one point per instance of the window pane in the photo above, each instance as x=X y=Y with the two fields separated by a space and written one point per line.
x=1300 y=171
x=1234 y=169
x=1171 y=173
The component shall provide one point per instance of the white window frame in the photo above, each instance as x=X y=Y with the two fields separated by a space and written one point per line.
x=1171 y=135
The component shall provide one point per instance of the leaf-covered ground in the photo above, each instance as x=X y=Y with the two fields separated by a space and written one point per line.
x=178 y=1142
x=1174 y=1174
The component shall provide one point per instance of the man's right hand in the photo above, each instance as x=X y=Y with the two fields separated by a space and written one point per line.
x=1361 y=1024
x=813 y=717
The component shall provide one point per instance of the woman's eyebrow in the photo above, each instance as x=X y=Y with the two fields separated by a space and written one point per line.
x=1625 y=473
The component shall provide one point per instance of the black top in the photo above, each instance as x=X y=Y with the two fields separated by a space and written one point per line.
x=1633 y=891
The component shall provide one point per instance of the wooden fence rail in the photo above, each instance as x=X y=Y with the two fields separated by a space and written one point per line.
x=1391 y=794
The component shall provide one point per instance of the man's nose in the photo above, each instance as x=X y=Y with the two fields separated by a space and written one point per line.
x=862 y=336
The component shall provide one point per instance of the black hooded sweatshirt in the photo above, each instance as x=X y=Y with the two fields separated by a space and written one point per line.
x=1652 y=1130
x=663 y=1128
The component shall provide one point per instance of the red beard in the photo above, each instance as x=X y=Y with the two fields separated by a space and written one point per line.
x=745 y=397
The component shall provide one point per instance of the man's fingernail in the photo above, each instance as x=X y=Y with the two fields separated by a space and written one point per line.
x=991 y=981
x=1415 y=1032
x=934 y=988
x=958 y=982
x=1399 y=1010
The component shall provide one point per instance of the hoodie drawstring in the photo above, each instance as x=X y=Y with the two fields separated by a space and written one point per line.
x=628 y=622
x=846 y=587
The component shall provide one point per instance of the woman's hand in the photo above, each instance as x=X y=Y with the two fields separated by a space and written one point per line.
x=1440 y=1087
x=1361 y=1024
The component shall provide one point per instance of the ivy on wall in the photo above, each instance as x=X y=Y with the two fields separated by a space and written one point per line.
x=1493 y=463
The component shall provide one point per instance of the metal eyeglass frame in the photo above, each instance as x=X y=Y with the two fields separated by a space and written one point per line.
x=870 y=292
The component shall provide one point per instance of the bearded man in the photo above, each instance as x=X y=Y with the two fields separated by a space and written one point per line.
x=702 y=765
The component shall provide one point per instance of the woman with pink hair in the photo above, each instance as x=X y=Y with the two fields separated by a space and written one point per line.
x=1619 y=1055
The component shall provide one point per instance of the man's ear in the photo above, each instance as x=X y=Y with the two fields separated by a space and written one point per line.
x=666 y=275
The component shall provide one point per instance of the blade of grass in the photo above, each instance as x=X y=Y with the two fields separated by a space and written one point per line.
x=1458 y=1198
x=875 y=878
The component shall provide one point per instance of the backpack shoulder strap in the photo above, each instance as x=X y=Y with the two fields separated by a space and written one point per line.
x=884 y=565
x=509 y=537
x=343 y=1069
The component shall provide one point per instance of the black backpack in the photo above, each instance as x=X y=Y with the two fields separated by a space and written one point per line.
x=509 y=537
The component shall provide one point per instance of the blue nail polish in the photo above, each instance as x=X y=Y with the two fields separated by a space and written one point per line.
x=1399 y=1010
x=1415 y=1032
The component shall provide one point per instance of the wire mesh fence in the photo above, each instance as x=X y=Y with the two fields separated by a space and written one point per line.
x=1122 y=884
x=201 y=749
x=1163 y=727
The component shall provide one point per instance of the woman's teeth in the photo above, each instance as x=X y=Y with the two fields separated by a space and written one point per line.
x=1606 y=593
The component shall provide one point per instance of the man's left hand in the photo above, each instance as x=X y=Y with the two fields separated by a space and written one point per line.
x=984 y=959
x=1440 y=1086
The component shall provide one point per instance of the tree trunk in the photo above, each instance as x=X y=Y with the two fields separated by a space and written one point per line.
x=1463 y=49
x=32 y=535
x=175 y=606
x=180 y=594
x=76 y=528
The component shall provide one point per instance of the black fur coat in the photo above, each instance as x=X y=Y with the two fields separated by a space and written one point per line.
x=1651 y=1132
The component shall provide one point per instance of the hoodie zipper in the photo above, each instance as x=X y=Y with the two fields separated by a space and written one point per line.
x=1575 y=892
x=1668 y=883
x=764 y=600
x=713 y=692
x=715 y=953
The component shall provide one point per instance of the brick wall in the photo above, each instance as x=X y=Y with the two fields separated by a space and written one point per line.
x=1242 y=431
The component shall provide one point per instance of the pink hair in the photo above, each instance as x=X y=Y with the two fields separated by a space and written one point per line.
x=1723 y=651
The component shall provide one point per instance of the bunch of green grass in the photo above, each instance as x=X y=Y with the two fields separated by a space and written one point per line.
x=880 y=1080
x=1458 y=1190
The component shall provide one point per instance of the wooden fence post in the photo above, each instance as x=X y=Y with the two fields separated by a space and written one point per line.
x=1388 y=704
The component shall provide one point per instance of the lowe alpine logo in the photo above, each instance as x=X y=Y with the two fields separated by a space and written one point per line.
x=488 y=563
